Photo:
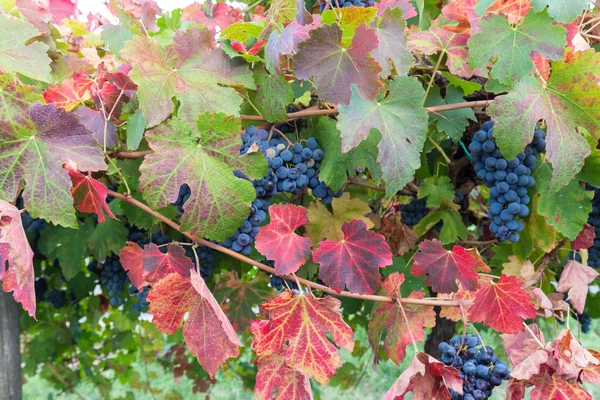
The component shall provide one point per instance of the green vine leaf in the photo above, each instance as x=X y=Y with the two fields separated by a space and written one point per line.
x=437 y=189
x=19 y=56
x=391 y=51
x=566 y=102
x=203 y=156
x=273 y=95
x=512 y=45
x=402 y=123
x=186 y=69
x=560 y=10
x=452 y=122
x=452 y=228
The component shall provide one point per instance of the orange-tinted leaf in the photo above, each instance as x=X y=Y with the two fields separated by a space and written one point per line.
x=275 y=375
x=157 y=264
x=585 y=239
x=238 y=297
x=480 y=265
x=551 y=386
x=354 y=261
x=298 y=328
x=592 y=373
x=16 y=254
x=427 y=379
x=569 y=356
x=575 y=279
x=445 y=267
x=453 y=313
x=278 y=241
x=463 y=11
x=501 y=305
x=72 y=92
x=88 y=193
x=207 y=332
x=388 y=317
x=400 y=237
x=130 y=258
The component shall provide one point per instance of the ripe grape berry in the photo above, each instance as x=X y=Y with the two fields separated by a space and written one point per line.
x=414 y=211
x=508 y=180
x=57 y=298
x=478 y=366
x=594 y=220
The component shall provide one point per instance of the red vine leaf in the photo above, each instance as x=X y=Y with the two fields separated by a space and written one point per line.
x=278 y=242
x=96 y=123
x=502 y=304
x=575 y=279
x=585 y=239
x=354 y=261
x=298 y=328
x=275 y=375
x=157 y=264
x=569 y=357
x=388 y=317
x=35 y=13
x=71 y=92
x=550 y=385
x=445 y=267
x=221 y=15
x=88 y=193
x=130 y=258
x=463 y=11
x=427 y=378
x=207 y=331
x=521 y=345
x=591 y=373
x=336 y=68
x=16 y=254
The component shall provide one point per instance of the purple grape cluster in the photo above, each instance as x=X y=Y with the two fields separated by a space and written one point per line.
x=414 y=211
x=478 y=366
x=508 y=180
x=114 y=277
x=594 y=220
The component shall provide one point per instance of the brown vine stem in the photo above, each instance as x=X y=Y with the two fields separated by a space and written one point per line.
x=314 y=285
x=333 y=111
x=533 y=335
x=478 y=242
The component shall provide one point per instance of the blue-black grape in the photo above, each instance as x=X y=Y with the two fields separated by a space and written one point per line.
x=114 y=278
x=414 y=211
x=479 y=368
x=347 y=3
x=594 y=220
x=508 y=180
x=57 y=298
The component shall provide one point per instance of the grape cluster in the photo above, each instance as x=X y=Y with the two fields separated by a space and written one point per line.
x=114 y=277
x=277 y=282
x=205 y=258
x=508 y=180
x=414 y=211
x=57 y=298
x=478 y=366
x=346 y=3
x=29 y=223
x=594 y=220
x=142 y=304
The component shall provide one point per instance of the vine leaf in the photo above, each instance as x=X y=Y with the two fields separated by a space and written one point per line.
x=202 y=155
x=157 y=264
x=426 y=378
x=566 y=102
x=452 y=122
x=71 y=92
x=467 y=13
x=548 y=386
x=108 y=238
x=451 y=44
x=207 y=331
x=391 y=51
x=298 y=328
x=325 y=225
x=88 y=193
x=221 y=15
x=513 y=45
x=559 y=10
x=15 y=100
x=274 y=374
x=592 y=373
x=585 y=239
x=400 y=237
x=524 y=352
x=286 y=42
x=189 y=70
x=501 y=305
x=336 y=68
x=436 y=189
x=130 y=258
x=387 y=317
x=36 y=153
x=16 y=258
x=96 y=122
x=445 y=267
x=16 y=56
x=238 y=297
x=452 y=225
x=575 y=279
x=272 y=96
x=408 y=11
x=354 y=261
x=278 y=242
x=569 y=356
x=402 y=123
